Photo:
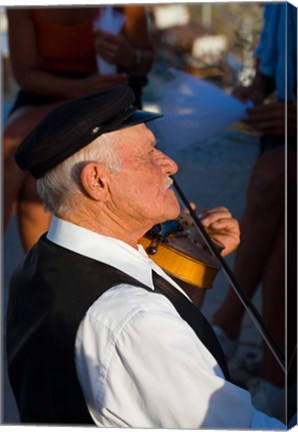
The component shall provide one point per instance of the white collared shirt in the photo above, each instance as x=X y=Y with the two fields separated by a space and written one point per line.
x=139 y=363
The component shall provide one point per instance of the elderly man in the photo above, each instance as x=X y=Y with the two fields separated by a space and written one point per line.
x=97 y=332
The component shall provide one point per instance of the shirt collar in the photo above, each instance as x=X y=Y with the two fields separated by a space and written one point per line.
x=108 y=250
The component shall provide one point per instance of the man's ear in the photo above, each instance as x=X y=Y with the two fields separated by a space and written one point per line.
x=94 y=181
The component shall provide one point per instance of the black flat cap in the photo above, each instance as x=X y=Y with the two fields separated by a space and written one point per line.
x=75 y=124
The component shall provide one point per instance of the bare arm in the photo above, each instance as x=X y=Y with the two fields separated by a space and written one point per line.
x=137 y=31
x=131 y=49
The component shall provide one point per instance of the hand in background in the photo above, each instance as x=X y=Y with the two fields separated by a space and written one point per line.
x=250 y=93
x=257 y=91
x=114 y=49
x=271 y=118
x=96 y=83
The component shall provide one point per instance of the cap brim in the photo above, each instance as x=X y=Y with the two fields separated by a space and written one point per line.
x=140 y=117
x=131 y=116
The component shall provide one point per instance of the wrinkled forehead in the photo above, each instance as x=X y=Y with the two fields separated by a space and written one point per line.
x=139 y=135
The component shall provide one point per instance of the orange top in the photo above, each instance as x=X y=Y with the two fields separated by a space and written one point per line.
x=70 y=48
x=65 y=48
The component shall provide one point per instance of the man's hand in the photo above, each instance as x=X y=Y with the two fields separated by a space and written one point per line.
x=222 y=228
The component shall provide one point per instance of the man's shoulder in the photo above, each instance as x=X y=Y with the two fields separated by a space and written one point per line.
x=124 y=303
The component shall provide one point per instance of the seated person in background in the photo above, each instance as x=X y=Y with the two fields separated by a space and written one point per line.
x=96 y=331
x=53 y=54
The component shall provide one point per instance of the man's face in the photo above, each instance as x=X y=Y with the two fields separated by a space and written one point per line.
x=140 y=191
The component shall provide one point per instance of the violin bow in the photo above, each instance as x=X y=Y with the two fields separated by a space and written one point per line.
x=248 y=305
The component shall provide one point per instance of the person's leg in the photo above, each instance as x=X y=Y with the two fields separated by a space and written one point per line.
x=18 y=126
x=19 y=187
x=268 y=387
x=33 y=221
x=273 y=284
x=258 y=227
x=291 y=271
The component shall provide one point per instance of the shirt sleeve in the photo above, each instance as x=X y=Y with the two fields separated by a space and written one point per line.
x=155 y=373
x=277 y=48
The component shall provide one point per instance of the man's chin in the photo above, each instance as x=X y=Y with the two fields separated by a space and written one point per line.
x=172 y=212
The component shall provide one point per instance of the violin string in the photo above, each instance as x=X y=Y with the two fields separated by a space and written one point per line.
x=248 y=305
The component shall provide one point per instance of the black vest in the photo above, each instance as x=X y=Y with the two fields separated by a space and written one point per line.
x=50 y=293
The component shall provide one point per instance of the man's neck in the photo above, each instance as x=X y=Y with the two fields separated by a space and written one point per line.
x=107 y=226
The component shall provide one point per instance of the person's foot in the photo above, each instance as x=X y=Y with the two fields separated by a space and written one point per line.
x=267 y=397
x=228 y=345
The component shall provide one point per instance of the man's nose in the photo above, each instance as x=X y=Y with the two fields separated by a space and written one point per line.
x=169 y=165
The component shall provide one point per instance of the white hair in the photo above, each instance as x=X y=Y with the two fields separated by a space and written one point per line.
x=58 y=185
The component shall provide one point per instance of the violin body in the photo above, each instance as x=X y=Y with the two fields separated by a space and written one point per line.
x=176 y=247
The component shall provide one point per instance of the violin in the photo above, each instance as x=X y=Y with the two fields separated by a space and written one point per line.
x=184 y=249
x=179 y=250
